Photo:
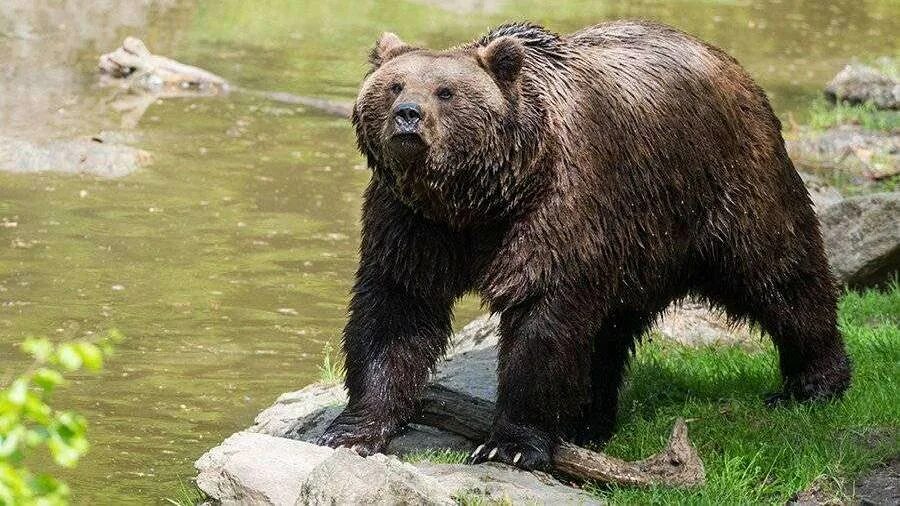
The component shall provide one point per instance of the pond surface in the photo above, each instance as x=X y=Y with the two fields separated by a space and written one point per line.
x=227 y=262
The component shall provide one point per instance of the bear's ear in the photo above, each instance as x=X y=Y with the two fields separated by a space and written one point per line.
x=387 y=47
x=503 y=58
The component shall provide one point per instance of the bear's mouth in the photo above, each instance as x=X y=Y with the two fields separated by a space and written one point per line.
x=407 y=144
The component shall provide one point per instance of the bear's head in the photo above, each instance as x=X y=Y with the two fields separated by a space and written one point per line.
x=444 y=129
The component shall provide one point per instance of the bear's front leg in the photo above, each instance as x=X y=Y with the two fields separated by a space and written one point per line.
x=391 y=342
x=544 y=382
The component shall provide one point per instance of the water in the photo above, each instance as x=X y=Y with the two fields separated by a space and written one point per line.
x=227 y=262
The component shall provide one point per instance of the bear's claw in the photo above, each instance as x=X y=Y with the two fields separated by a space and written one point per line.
x=516 y=446
x=363 y=438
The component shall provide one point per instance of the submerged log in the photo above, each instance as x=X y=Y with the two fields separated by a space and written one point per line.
x=678 y=465
x=147 y=77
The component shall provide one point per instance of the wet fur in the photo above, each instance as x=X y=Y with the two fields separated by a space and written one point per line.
x=633 y=165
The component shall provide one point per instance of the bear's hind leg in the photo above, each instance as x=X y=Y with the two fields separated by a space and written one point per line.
x=800 y=315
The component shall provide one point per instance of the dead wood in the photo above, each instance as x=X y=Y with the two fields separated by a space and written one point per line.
x=678 y=465
x=146 y=77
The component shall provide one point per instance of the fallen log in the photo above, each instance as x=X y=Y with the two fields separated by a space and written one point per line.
x=147 y=77
x=678 y=465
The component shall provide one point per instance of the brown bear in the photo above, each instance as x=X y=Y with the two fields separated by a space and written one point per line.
x=579 y=183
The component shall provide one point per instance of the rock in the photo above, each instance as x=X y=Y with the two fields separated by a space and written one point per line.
x=471 y=367
x=251 y=468
x=76 y=156
x=304 y=414
x=822 y=195
x=859 y=84
x=494 y=483
x=881 y=486
x=862 y=238
x=861 y=154
x=478 y=334
x=347 y=478
x=692 y=323
x=240 y=469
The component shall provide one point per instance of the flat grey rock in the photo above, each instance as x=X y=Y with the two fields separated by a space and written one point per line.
x=74 y=156
x=881 y=486
x=862 y=238
x=259 y=469
x=501 y=484
x=346 y=478
x=693 y=323
x=250 y=468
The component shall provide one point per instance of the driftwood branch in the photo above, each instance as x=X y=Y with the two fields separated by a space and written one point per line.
x=678 y=465
x=147 y=77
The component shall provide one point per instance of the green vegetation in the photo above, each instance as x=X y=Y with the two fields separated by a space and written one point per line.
x=436 y=457
x=331 y=371
x=27 y=421
x=850 y=185
x=754 y=454
x=187 y=495
x=823 y=115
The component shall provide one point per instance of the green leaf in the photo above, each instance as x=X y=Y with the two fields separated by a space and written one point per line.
x=115 y=336
x=47 y=378
x=39 y=348
x=62 y=453
x=90 y=355
x=11 y=441
x=69 y=357
x=37 y=410
x=18 y=392
x=35 y=437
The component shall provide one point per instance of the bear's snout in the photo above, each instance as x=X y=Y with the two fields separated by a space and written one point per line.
x=406 y=117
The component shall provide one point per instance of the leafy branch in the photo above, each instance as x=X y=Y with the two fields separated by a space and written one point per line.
x=27 y=421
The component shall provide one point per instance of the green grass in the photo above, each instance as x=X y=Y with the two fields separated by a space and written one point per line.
x=331 y=370
x=824 y=115
x=754 y=454
x=187 y=494
x=436 y=456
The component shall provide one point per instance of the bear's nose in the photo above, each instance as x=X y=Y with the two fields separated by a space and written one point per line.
x=407 y=114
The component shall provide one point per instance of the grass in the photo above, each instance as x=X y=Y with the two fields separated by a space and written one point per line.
x=331 y=370
x=436 y=457
x=824 y=115
x=187 y=494
x=754 y=454
x=478 y=498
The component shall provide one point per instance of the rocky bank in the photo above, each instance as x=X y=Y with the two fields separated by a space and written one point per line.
x=276 y=462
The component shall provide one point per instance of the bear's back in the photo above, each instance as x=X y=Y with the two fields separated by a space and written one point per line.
x=644 y=96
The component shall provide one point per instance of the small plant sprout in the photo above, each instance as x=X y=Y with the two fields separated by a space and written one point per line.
x=331 y=371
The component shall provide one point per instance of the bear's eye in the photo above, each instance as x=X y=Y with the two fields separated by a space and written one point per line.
x=444 y=93
x=396 y=88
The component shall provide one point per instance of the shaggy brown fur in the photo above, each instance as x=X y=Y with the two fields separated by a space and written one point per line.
x=580 y=184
